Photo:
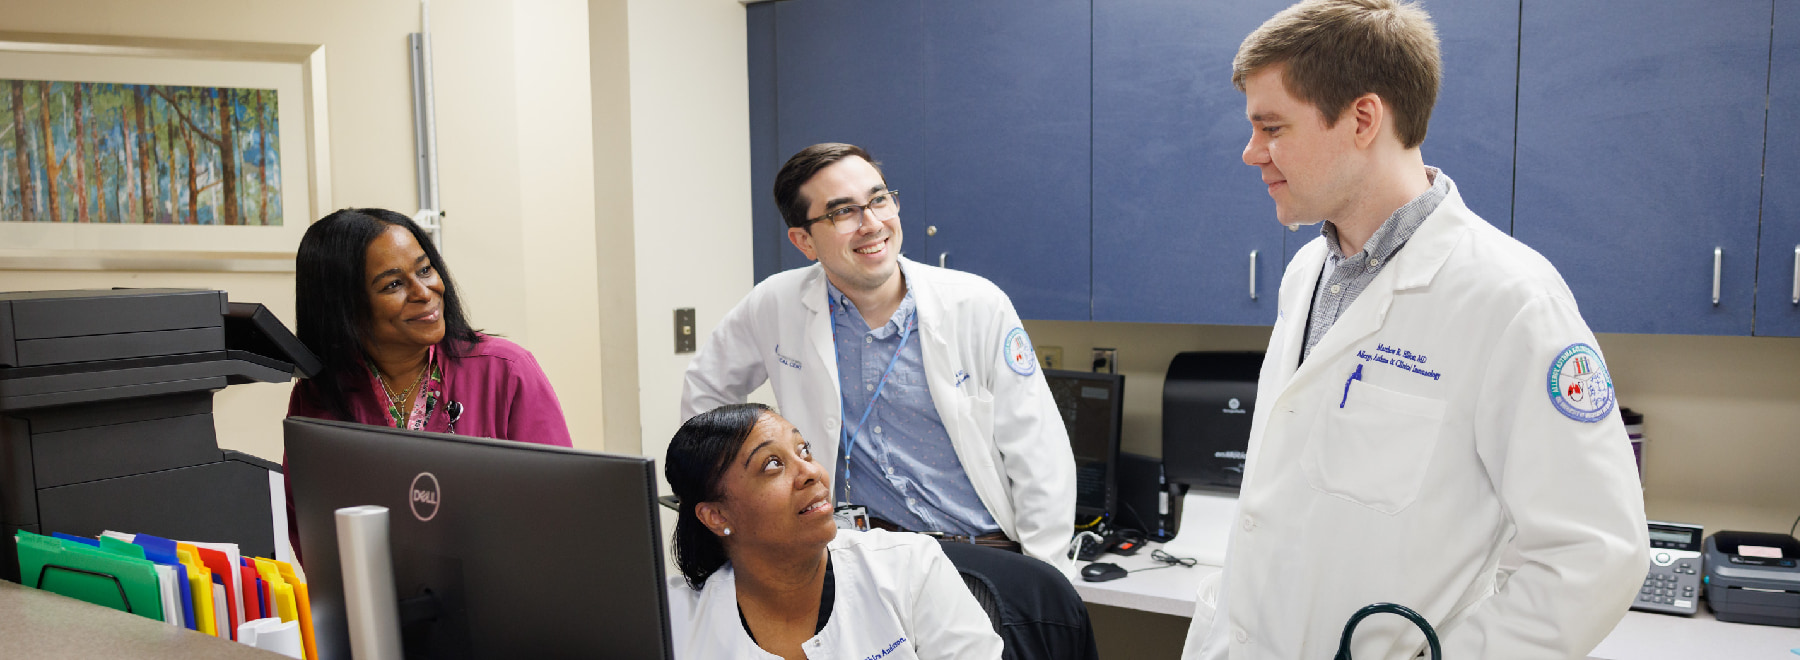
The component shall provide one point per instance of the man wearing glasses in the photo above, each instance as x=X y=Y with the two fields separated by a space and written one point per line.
x=917 y=386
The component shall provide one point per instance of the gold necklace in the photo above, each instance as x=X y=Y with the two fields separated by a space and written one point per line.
x=389 y=392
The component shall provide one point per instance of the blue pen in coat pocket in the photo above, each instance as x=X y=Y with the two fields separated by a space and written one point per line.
x=1354 y=376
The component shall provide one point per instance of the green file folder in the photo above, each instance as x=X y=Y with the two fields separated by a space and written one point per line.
x=85 y=573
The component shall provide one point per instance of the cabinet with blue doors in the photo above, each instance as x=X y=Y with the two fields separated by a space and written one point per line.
x=1640 y=151
x=1086 y=155
x=977 y=112
x=1006 y=149
x=1183 y=231
x=1778 y=257
x=1471 y=133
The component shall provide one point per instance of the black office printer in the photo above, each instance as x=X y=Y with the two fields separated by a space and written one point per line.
x=1207 y=403
x=106 y=415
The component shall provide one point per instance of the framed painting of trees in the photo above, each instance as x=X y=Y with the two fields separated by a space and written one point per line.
x=122 y=153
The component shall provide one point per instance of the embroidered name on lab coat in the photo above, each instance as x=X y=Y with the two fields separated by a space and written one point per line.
x=884 y=652
x=785 y=360
x=1401 y=359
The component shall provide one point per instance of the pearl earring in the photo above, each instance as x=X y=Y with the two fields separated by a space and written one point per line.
x=728 y=531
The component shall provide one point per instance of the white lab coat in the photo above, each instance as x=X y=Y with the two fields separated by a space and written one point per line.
x=897 y=598
x=1004 y=426
x=1409 y=492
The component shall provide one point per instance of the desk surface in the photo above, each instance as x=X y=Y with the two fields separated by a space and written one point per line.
x=39 y=624
x=1640 y=636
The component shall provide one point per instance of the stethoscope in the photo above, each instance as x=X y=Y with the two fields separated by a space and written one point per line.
x=847 y=435
x=1431 y=639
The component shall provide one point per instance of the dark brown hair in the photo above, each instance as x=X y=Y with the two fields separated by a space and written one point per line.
x=801 y=168
x=1338 y=50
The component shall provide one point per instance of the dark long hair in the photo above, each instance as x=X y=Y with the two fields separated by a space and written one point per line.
x=698 y=457
x=331 y=299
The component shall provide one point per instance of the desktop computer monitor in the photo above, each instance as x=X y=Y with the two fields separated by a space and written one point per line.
x=1092 y=406
x=501 y=549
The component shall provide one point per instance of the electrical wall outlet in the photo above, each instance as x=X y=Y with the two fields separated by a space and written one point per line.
x=1050 y=357
x=1106 y=360
x=684 y=330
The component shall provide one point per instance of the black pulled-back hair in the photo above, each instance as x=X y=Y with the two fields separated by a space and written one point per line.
x=698 y=457
x=331 y=298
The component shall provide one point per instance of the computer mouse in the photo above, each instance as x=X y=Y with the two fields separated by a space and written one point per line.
x=1101 y=572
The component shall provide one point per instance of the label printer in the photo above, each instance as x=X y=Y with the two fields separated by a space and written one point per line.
x=1753 y=577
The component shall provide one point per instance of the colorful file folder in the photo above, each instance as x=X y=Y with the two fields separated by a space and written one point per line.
x=91 y=574
x=221 y=568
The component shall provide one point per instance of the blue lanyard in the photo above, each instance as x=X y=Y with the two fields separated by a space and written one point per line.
x=847 y=439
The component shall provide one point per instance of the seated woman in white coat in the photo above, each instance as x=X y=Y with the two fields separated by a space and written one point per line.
x=771 y=575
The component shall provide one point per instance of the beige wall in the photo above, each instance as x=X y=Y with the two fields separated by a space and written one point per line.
x=690 y=160
x=609 y=57
x=517 y=176
x=515 y=154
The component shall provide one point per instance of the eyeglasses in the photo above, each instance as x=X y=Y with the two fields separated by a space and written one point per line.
x=849 y=217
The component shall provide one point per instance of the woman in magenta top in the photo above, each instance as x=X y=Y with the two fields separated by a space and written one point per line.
x=376 y=304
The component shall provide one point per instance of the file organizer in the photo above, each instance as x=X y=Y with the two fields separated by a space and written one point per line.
x=127 y=575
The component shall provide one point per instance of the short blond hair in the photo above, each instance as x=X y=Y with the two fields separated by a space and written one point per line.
x=1338 y=50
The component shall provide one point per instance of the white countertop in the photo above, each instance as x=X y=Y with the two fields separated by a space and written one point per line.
x=1639 y=636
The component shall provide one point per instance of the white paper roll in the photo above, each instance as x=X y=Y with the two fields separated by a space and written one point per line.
x=1205 y=529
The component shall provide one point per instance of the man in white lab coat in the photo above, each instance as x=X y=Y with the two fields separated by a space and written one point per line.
x=1430 y=394
x=917 y=385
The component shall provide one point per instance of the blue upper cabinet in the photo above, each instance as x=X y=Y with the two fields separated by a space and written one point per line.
x=850 y=71
x=1640 y=149
x=1778 y=274
x=1006 y=149
x=1471 y=134
x=765 y=219
x=1177 y=214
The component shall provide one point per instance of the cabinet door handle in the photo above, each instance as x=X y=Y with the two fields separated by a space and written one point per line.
x=1797 y=274
x=1718 y=260
x=941 y=257
x=1253 y=273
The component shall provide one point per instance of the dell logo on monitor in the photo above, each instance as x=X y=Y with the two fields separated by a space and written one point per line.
x=423 y=496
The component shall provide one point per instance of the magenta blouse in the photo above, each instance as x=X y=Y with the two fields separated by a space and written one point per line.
x=502 y=393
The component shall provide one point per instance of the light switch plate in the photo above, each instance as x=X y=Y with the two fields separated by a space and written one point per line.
x=684 y=330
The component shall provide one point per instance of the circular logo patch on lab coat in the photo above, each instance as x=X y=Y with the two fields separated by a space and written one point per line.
x=1019 y=353
x=1579 y=385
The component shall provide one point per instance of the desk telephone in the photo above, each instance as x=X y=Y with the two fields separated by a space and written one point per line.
x=1672 y=585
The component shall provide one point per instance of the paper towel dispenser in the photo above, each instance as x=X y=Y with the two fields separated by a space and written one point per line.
x=1207 y=402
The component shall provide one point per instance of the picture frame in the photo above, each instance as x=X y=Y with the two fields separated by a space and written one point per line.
x=296 y=72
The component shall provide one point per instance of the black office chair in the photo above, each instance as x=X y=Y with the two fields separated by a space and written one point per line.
x=1031 y=605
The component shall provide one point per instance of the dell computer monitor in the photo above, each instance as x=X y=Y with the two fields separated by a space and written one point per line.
x=1092 y=405
x=501 y=549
